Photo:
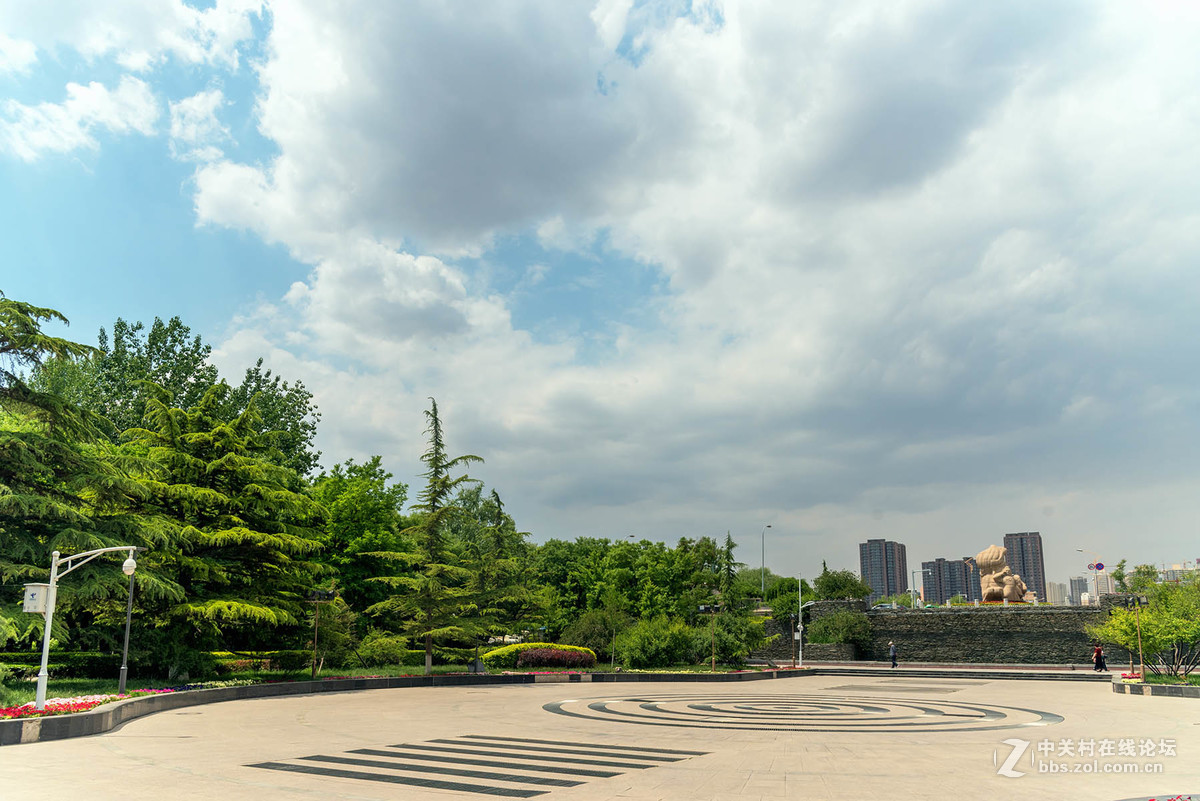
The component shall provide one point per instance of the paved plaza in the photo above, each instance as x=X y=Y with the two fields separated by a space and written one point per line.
x=816 y=737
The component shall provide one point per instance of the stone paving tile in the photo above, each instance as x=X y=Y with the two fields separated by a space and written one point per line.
x=205 y=752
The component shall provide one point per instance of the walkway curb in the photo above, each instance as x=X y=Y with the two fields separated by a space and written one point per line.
x=108 y=716
x=1173 y=690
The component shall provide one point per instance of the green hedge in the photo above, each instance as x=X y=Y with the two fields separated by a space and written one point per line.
x=64 y=664
x=242 y=661
x=382 y=650
x=506 y=657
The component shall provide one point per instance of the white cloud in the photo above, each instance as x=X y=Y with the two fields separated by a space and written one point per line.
x=138 y=34
x=28 y=132
x=918 y=254
x=195 y=129
x=16 y=56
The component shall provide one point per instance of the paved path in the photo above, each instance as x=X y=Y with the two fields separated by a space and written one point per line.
x=808 y=737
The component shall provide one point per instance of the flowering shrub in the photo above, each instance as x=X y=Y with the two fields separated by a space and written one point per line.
x=556 y=657
x=507 y=656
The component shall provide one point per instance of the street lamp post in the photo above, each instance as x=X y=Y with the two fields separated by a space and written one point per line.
x=72 y=562
x=128 y=567
x=763 y=575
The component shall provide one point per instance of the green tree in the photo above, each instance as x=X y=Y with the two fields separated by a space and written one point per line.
x=1142 y=579
x=111 y=384
x=1170 y=628
x=243 y=534
x=57 y=491
x=599 y=628
x=497 y=555
x=834 y=585
x=784 y=599
x=729 y=568
x=364 y=509
x=288 y=415
x=436 y=601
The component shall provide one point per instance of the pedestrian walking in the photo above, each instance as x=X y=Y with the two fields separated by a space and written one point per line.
x=1098 y=663
x=892 y=652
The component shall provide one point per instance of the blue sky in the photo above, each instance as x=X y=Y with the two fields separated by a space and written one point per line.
x=914 y=270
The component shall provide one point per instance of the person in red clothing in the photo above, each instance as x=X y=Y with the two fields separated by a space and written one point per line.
x=1098 y=659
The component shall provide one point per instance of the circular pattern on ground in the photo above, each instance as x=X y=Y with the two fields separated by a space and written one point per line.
x=817 y=713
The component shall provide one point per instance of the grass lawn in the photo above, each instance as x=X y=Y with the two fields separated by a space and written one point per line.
x=1151 y=678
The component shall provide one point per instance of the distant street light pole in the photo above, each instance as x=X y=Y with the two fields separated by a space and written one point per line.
x=913 y=588
x=763 y=575
x=72 y=562
x=1095 y=572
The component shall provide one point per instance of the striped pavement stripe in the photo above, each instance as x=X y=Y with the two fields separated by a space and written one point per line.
x=491 y=764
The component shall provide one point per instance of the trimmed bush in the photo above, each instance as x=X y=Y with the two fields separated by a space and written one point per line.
x=556 y=657
x=508 y=656
x=658 y=642
x=226 y=662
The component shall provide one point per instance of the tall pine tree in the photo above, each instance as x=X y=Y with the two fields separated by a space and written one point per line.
x=60 y=488
x=243 y=532
x=434 y=601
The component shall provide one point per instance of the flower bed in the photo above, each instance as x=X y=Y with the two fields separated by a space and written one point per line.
x=82 y=703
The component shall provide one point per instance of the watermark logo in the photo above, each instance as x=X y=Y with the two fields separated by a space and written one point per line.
x=1019 y=747
x=1082 y=755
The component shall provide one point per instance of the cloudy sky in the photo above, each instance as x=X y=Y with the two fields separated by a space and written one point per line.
x=911 y=269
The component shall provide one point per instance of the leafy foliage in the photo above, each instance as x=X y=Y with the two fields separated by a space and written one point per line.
x=510 y=656
x=435 y=600
x=59 y=489
x=242 y=534
x=1170 y=628
x=111 y=385
x=841 y=627
x=364 y=516
x=658 y=642
x=834 y=585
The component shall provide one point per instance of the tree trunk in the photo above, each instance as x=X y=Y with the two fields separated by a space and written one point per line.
x=428 y=654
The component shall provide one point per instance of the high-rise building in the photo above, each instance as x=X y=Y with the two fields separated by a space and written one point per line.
x=883 y=565
x=1025 y=560
x=942 y=579
x=1056 y=593
x=1103 y=584
x=1078 y=587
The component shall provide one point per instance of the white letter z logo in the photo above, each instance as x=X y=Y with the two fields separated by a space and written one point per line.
x=1018 y=749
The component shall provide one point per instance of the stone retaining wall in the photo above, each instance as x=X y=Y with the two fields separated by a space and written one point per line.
x=1018 y=634
x=1015 y=635
x=829 y=652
